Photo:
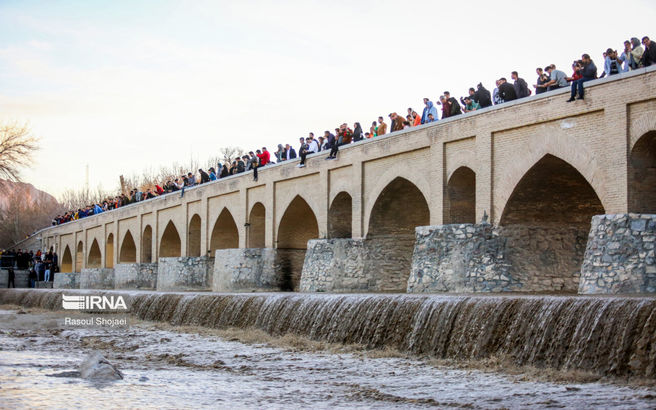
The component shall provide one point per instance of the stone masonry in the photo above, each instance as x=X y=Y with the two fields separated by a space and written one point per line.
x=335 y=265
x=96 y=278
x=245 y=270
x=184 y=273
x=460 y=258
x=135 y=276
x=69 y=280
x=620 y=256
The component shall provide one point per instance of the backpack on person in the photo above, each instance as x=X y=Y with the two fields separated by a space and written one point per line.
x=614 y=69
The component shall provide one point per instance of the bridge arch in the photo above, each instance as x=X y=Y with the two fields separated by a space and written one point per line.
x=642 y=174
x=194 y=234
x=297 y=226
x=147 y=245
x=398 y=210
x=225 y=234
x=460 y=197
x=546 y=221
x=340 y=216
x=384 y=181
x=257 y=226
x=94 y=260
x=170 y=245
x=109 y=251
x=128 y=252
x=79 y=256
x=564 y=147
x=66 y=265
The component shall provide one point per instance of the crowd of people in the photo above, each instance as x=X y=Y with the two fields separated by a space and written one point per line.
x=42 y=265
x=632 y=57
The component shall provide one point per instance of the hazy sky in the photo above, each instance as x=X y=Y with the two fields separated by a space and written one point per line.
x=128 y=85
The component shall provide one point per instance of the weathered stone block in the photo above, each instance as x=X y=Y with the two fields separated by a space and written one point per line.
x=97 y=278
x=625 y=264
x=335 y=265
x=135 y=276
x=185 y=274
x=246 y=270
x=69 y=280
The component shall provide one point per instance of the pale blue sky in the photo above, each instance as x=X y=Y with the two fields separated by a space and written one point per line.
x=128 y=85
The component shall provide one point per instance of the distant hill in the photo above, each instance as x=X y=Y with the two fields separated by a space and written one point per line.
x=27 y=192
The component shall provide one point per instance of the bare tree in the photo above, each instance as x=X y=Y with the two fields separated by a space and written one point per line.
x=17 y=144
x=230 y=153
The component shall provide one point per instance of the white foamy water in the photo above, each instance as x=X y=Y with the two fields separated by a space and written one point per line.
x=165 y=369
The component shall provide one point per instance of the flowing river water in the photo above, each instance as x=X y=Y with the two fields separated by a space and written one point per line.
x=333 y=351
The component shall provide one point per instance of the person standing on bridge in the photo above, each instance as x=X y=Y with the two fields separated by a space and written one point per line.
x=649 y=56
x=520 y=86
x=12 y=278
x=382 y=127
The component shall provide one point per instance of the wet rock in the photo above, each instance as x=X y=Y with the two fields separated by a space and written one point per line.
x=96 y=367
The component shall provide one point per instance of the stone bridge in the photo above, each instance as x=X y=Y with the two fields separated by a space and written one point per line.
x=539 y=168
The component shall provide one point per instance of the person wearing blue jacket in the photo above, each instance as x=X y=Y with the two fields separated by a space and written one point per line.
x=428 y=109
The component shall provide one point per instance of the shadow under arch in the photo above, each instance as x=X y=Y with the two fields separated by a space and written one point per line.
x=642 y=175
x=225 y=234
x=460 y=197
x=128 y=252
x=297 y=226
x=546 y=222
x=257 y=226
x=398 y=210
x=170 y=245
x=66 y=265
x=94 y=260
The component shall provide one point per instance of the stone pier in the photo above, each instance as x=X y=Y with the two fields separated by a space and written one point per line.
x=68 y=280
x=135 y=276
x=246 y=270
x=185 y=274
x=97 y=278
x=619 y=257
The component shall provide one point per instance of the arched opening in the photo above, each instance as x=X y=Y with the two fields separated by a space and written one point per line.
x=66 y=264
x=642 y=175
x=297 y=226
x=109 y=251
x=224 y=234
x=95 y=257
x=79 y=256
x=256 y=228
x=170 y=245
x=340 y=216
x=546 y=222
x=193 y=243
x=128 y=252
x=147 y=245
x=460 y=197
x=398 y=210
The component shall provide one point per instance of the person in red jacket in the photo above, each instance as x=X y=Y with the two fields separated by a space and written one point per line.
x=266 y=155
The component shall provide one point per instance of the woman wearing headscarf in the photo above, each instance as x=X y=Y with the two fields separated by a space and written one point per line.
x=357 y=132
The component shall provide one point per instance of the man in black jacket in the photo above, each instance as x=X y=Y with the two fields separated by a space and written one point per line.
x=288 y=153
x=649 y=56
x=588 y=72
x=520 y=86
x=506 y=91
x=482 y=96
x=455 y=106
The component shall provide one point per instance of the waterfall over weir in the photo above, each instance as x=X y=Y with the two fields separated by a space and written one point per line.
x=604 y=335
